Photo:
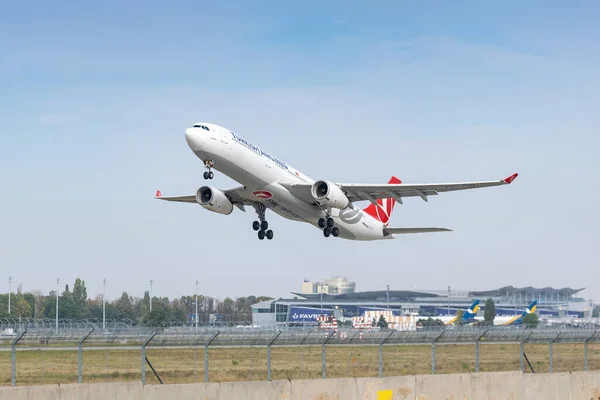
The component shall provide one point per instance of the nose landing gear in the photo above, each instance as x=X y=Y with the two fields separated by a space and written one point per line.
x=209 y=174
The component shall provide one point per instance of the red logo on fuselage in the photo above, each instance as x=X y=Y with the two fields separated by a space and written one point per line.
x=263 y=194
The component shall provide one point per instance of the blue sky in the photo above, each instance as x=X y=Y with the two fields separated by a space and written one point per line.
x=95 y=99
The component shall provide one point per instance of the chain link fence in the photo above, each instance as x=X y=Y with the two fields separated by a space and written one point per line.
x=36 y=352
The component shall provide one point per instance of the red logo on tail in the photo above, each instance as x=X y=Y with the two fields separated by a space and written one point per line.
x=383 y=211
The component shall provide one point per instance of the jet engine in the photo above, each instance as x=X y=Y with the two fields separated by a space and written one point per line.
x=214 y=200
x=329 y=194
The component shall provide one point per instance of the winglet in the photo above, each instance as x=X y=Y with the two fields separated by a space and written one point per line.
x=511 y=178
x=158 y=194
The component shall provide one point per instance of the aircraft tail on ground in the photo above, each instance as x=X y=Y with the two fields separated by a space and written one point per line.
x=468 y=314
x=518 y=319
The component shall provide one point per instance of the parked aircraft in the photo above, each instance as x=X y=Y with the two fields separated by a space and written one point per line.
x=467 y=317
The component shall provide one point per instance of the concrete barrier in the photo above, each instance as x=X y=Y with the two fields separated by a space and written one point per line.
x=585 y=385
x=275 y=390
x=498 y=386
x=477 y=386
x=324 y=389
x=455 y=386
x=187 y=391
x=402 y=387
x=547 y=386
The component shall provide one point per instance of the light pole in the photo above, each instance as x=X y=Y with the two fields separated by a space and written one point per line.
x=388 y=297
x=196 y=305
x=151 y=283
x=321 y=285
x=448 y=300
x=9 y=291
x=57 y=283
x=104 y=306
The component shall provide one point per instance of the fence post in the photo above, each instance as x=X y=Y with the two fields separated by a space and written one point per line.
x=477 y=350
x=523 y=351
x=381 y=354
x=551 y=356
x=80 y=361
x=14 y=357
x=269 y=355
x=323 y=363
x=433 y=352
x=585 y=351
x=206 y=355
x=144 y=357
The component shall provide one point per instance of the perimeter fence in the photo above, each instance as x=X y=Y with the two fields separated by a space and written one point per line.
x=38 y=353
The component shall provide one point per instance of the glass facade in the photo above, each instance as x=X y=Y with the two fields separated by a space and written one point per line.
x=281 y=313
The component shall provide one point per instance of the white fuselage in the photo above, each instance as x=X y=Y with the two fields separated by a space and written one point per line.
x=258 y=170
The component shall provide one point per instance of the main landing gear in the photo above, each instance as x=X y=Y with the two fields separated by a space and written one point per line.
x=263 y=226
x=327 y=225
x=209 y=174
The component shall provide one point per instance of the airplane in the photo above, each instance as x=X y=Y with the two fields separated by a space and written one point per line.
x=510 y=319
x=467 y=317
x=516 y=319
x=269 y=183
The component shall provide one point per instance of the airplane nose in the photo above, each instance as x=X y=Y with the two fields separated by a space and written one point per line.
x=194 y=138
x=189 y=137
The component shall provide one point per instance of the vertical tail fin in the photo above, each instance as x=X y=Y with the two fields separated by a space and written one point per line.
x=518 y=319
x=530 y=309
x=468 y=314
x=383 y=211
x=472 y=311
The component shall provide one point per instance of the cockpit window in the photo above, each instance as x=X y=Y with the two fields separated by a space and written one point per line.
x=202 y=126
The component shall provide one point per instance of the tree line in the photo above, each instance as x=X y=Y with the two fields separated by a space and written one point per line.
x=73 y=303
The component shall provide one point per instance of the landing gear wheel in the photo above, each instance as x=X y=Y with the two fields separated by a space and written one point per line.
x=262 y=226
x=321 y=223
x=330 y=222
x=209 y=174
x=326 y=232
x=335 y=231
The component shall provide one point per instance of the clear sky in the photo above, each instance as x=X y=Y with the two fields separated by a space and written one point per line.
x=95 y=99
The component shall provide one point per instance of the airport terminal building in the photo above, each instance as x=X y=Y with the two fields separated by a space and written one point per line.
x=336 y=297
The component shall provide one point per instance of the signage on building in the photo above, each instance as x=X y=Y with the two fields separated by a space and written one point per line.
x=305 y=314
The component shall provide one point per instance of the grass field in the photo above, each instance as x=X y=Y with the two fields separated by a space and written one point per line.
x=231 y=364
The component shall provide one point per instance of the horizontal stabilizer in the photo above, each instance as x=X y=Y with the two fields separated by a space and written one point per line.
x=400 y=231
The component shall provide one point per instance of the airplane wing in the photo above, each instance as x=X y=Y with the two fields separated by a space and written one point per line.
x=371 y=192
x=401 y=231
x=239 y=196
x=357 y=192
